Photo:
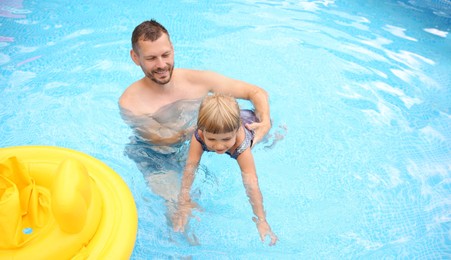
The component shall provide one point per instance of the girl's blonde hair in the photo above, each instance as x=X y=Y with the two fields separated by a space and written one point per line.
x=219 y=114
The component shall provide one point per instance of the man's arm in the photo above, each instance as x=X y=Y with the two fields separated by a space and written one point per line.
x=260 y=99
x=154 y=132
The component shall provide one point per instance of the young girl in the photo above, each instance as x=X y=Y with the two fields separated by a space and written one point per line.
x=220 y=129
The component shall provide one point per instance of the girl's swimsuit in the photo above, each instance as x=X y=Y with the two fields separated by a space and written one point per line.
x=247 y=116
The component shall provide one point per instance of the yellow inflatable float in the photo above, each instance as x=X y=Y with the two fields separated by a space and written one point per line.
x=57 y=203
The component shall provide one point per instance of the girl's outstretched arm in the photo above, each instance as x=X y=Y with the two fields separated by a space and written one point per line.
x=250 y=181
x=181 y=217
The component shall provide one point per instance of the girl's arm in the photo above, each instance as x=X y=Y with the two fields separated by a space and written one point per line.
x=250 y=181
x=181 y=217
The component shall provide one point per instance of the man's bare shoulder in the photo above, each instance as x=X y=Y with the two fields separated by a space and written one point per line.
x=129 y=94
x=139 y=99
x=203 y=77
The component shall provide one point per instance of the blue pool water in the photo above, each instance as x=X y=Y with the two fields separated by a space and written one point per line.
x=361 y=87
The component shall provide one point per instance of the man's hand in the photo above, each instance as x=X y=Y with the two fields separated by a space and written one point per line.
x=260 y=129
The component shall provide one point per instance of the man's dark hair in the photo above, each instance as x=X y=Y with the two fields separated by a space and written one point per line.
x=147 y=31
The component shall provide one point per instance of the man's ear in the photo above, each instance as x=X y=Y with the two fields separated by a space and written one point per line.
x=134 y=57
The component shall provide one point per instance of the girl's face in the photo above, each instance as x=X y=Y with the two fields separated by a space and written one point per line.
x=219 y=143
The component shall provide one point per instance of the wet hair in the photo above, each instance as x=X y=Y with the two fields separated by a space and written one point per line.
x=147 y=31
x=219 y=114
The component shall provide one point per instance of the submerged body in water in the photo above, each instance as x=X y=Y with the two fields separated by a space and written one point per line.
x=159 y=142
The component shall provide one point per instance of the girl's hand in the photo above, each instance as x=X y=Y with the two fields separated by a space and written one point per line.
x=265 y=230
x=181 y=217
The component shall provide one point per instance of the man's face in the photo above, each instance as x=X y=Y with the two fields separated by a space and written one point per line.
x=156 y=59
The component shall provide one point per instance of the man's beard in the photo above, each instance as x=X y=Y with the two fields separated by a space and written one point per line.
x=161 y=82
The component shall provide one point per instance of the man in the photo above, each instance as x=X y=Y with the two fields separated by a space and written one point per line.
x=163 y=86
x=162 y=108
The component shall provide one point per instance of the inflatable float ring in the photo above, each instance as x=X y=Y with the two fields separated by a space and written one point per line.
x=57 y=203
